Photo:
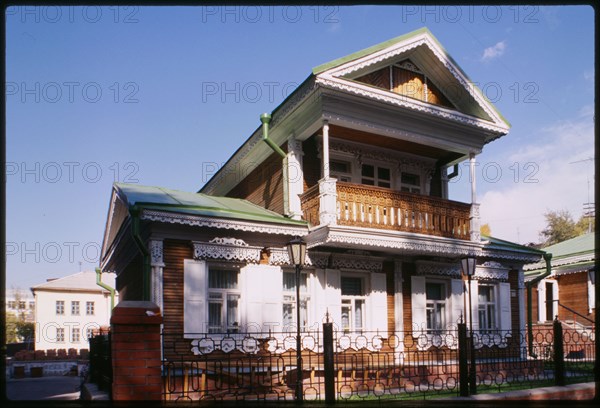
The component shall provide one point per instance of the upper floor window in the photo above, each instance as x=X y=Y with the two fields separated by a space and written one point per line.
x=60 y=307
x=12 y=304
x=32 y=305
x=410 y=182
x=22 y=304
x=89 y=308
x=376 y=176
x=289 y=300
x=223 y=301
x=60 y=335
x=341 y=170
x=487 y=307
x=353 y=303
x=435 y=293
x=75 y=307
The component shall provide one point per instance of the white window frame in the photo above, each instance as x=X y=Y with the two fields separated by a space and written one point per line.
x=375 y=178
x=351 y=301
x=222 y=296
x=75 y=335
x=60 y=307
x=445 y=302
x=60 y=335
x=411 y=188
x=484 y=306
x=89 y=308
x=289 y=300
x=75 y=309
x=341 y=176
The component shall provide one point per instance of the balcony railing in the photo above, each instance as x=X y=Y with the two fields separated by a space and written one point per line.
x=375 y=207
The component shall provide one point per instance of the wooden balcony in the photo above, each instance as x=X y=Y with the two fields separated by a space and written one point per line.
x=375 y=207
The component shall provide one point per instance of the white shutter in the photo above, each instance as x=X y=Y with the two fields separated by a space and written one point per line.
x=262 y=290
x=378 y=303
x=554 y=298
x=542 y=301
x=591 y=294
x=474 y=289
x=333 y=293
x=504 y=303
x=457 y=301
x=194 y=296
x=419 y=303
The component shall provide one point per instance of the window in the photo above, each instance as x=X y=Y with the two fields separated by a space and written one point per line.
x=75 y=307
x=410 y=182
x=436 y=306
x=289 y=300
x=341 y=170
x=376 y=176
x=75 y=334
x=487 y=307
x=60 y=307
x=353 y=303
x=32 y=305
x=60 y=335
x=89 y=308
x=89 y=332
x=22 y=304
x=12 y=304
x=223 y=301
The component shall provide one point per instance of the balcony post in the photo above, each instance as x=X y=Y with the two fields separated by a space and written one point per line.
x=325 y=150
x=327 y=201
x=295 y=177
x=474 y=224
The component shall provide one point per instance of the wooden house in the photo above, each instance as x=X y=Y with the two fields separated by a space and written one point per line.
x=356 y=161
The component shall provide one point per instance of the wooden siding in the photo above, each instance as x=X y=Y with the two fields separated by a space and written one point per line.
x=573 y=293
x=174 y=252
x=379 y=78
x=129 y=281
x=390 y=286
x=408 y=270
x=264 y=185
x=311 y=163
x=408 y=83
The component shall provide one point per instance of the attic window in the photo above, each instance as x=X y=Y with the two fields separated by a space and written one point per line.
x=406 y=78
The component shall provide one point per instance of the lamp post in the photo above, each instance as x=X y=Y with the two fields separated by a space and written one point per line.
x=297 y=253
x=468 y=265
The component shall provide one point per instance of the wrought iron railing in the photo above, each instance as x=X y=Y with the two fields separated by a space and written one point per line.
x=366 y=366
x=100 y=360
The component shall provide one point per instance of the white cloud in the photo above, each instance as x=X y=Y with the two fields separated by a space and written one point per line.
x=494 y=51
x=547 y=179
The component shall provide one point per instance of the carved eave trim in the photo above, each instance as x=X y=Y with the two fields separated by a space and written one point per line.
x=357 y=237
x=510 y=256
x=493 y=271
x=222 y=223
x=410 y=103
x=229 y=249
x=437 y=268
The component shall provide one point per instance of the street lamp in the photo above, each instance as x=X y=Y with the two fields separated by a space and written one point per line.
x=297 y=253
x=468 y=266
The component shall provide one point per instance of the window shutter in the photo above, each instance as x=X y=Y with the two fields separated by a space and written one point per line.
x=378 y=300
x=194 y=296
x=333 y=296
x=542 y=301
x=591 y=295
x=504 y=304
x=262 y=291
x=419 y=303
x=474 y=289
x=457 y=301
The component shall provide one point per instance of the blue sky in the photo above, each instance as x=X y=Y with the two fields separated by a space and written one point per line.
x=157 y=96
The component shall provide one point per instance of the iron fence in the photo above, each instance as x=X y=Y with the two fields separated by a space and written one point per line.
x=100 y=360
x=369 y=365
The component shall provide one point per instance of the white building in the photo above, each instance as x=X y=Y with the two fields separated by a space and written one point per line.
x=69 y=309
x=20 y=303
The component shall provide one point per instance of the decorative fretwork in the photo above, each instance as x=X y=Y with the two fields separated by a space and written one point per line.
x=437 y=268
x=491 y=270
x=230 y=249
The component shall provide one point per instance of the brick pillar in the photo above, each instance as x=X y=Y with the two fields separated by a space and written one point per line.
x=136 y=351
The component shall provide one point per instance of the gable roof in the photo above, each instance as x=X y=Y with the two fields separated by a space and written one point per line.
x=581 y=244
x=82 y=281
x=570 y=256
x=431 y=57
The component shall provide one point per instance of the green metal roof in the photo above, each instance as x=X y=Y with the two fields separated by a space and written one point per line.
x=499 y=244
x=570 y=247
x=164 y=199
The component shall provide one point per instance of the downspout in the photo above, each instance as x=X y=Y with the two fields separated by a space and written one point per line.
x=105 y=286
x=265 y=118
x=135 y=231
x=548 y=259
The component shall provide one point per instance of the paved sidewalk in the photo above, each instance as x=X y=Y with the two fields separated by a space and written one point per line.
x=55 y=388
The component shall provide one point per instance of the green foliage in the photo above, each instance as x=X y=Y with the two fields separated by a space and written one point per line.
x=25 y=330
x=560 y=226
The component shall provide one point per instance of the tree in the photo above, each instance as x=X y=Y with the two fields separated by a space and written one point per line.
x=560 y=226
x=25 y=330
x=486 y=230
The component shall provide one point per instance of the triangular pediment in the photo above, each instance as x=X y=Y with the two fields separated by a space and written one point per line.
x=416 y=72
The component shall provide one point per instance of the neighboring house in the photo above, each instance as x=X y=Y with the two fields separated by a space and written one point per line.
x=357 y=161
x=569 y=291
x=21 y=304
x=69 y=309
